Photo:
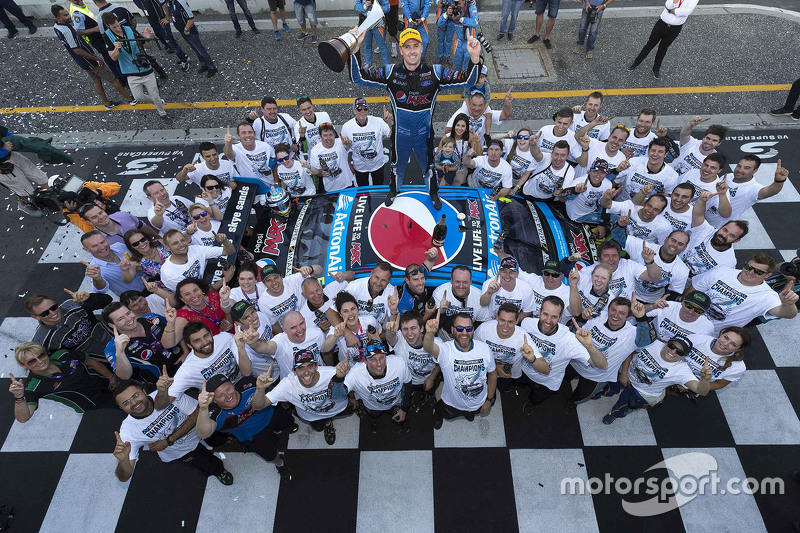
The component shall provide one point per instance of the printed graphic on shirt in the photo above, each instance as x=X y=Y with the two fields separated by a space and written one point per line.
x=646 y=369
x=467 y=373
x=720 y=309
x=385 y=393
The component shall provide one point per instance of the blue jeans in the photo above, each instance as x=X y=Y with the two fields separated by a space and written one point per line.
x=444 y=42
x=511 y=7
x=307 y=11
x=245 y=10
x=629 y=399
x=381 y=42
x=551 y=5
x=592 y=28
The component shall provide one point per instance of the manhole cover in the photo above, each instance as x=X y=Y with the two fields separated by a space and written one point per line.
x=519 y=63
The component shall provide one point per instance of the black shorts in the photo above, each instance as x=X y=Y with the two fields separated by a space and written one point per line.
x=391 y=20
x=265 y=442
x=275 y=5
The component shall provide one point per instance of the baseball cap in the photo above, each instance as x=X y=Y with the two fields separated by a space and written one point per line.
x=600 y=164
x=215 y=381
x=683 y=342
x=509 y=263
x=409 y=33
x=484 y=70
x=268 y=270
x=302 y=357
x=360 y=101
x=239 y=309
x=551 y=265
x=698 y=298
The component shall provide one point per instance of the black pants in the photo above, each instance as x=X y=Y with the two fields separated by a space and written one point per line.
x=319 y=425
x=378 y=176
x=662 y=35
x=265 y=442
x=585 y=386
x=539 y=393
x=449 y=412
x=794 y=94
x=204 y=460
x=14 y=9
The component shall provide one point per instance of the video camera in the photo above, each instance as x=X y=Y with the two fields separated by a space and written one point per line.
x=591 y=14
x=68 y=189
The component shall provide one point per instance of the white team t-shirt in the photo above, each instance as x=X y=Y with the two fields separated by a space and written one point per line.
x=673 y=275
x=679 y=221
x=224 y=173
x=667 y=323
x=355 y=354
x=654 y=231
x=206 y=238
x=615 y=345
x=540 y=292
x=238 y=295
x=585 y=203
x=506 y=352
x=325 y=399
x=333 y=160
x=697 y=357
x=195 y=370
x=599 y=132
x=367 y=147
x=733 y=303
x=255 y=163
x=379 y=394
x=465 y=374
x=545 y=179
x=489 y=176
x=742 y=197
x=262 y=361
x=639 y=146
x=650 y=374
x=195 y=266
x=176 y=215
x=558 y=349
x=284 y=355
x=700 y=256
x=700 y=186
x=520 y=162
x=623 y=281
x=637 y=176
x=690 y=156
x=521 y=296
x=140 y=432
x=367 y=305
x=597 y=150
x=547 y=140
x=470 y=305
x=420 y=363
x=296 y=179
x=312 y=130
x=274 y=134
x=290 y=299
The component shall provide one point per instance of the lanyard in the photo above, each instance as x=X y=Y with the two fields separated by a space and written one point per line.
x=211 y=318
x=255 y=300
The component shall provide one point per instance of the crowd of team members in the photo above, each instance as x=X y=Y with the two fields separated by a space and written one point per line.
x=663 y=310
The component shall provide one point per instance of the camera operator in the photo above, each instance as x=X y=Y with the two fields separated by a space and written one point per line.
x=591 y=15
x=134 y=63
x=415 y=13
x=19 y=175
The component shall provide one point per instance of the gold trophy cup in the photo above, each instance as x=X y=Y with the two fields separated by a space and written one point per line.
x=336 y=52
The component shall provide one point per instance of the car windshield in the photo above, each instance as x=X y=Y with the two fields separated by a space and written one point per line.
x=522 y=236
x=311 y=247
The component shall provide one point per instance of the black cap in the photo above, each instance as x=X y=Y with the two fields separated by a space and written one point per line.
x=215 y=381
x=683 y=342
x=551 y=265
x=268 y=270
x=239 y=309
x=699 y=299
x=374 y=347
x=601 y=165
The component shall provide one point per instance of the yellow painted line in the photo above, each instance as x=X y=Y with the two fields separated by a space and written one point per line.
x=579 y=93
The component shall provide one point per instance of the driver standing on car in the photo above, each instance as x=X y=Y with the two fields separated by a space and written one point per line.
x=413 y=86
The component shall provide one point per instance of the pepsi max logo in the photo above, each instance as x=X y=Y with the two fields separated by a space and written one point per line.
x=400 y=234
x=400 y=96
x=580 y=244
x=355 y=254
x=472 y=205
x=419 y=99
x=146 y=355
x=273 y=238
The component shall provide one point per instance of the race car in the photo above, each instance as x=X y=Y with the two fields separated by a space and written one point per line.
x=352 y=230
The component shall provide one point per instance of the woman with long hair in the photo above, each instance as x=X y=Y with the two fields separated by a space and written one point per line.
x=196 y=302
x=465 y=141
x=725 y=354
x=147 y=254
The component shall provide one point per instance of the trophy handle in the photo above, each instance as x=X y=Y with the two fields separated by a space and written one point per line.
x=335 y=52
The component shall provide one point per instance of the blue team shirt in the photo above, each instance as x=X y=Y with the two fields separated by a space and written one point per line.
x=243 y=422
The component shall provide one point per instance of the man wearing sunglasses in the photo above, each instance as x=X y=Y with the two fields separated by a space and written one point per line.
x=169 y=431
x=645 y=376
x=548 y=284
x=71 y=325
x=203 y=229
x=558 y=346
x=366 y=134
x=667 y=319
x=468 y=371
x=222 y=169
x=739 y=296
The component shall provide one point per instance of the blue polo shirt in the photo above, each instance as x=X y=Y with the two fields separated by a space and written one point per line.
x=112 y=275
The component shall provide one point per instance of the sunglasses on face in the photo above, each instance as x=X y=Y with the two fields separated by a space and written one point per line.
x=52 y=309
x=37 y=358
x=526 y=137
x=695 y=308
x=135 y=396
x=754 y=270
x=677 y=349
x=361 y=108
x=212 y=187
x=551 y=274
x=140 y=242
x=282 y=159
x=462 y=329
x=201 y=215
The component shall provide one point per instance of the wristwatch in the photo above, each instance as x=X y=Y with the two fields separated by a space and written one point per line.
x=169 y=442
x=492 y=400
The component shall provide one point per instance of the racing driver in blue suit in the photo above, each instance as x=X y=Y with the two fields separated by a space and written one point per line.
x=413 y=86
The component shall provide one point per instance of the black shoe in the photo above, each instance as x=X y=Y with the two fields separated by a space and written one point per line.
x=548 y=44
x=609 y=419
x=470 y=417
x=292 y=428
x=795 y=115
x=780 y=111
x=12 y=33
x=32 y=29
x=256 y=31
x=390 y=197
x=226 y=478
x=374 y=425
x=202 y=69
x=330 y=433
x=500 y=36
x=438 y=420
x=238 y=33
x=632 y=67
x=211 y=72
x=510 y=36
x=284 y=471
x=533 y=39
x=437 y=202
x=528 y=408
x=656 y=74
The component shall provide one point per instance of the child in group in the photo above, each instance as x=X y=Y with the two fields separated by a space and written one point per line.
x=446 y=161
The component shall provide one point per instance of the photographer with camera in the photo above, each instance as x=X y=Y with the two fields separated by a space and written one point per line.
x=19 y=175
x=591 y=15
x=415 y=15
x=134 y=63
x=446 y=30
x=465 y=17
